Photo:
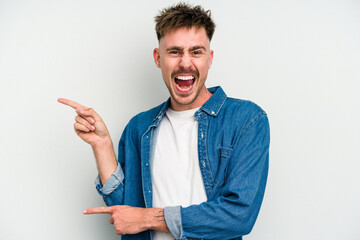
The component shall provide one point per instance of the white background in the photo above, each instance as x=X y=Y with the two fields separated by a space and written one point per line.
x=299 y=60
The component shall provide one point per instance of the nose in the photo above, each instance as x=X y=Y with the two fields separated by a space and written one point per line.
x=185 y=62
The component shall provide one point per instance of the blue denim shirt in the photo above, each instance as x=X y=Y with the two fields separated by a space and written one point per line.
x=233 y=146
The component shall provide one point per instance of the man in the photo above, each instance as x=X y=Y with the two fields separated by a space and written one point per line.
x=194 y=167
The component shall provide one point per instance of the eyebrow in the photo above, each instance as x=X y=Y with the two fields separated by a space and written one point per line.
x=182 y=49
x=174 y=48
x=197 y=47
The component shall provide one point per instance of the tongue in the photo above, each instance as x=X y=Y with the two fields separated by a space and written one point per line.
x=182 y=83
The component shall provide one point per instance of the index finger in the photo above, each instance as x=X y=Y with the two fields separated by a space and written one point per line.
x=98 y=210
x=70 y=103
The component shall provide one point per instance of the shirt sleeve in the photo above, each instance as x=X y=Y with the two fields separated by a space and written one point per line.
x=232 y=210
x=112 y=183
x=173 y=221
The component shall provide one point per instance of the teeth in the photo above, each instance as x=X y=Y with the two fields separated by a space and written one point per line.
x=185 y=77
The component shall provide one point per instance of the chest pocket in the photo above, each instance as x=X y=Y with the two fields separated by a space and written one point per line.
x=224 y=156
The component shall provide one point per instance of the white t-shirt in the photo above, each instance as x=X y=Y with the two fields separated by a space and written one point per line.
x=175 y=171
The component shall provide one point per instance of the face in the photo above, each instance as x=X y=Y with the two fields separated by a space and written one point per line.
x=184 y=57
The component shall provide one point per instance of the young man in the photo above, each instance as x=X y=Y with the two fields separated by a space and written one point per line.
x=194 y=167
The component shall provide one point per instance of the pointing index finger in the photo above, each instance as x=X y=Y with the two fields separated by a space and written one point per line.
x=98 y=210
x=70 y=103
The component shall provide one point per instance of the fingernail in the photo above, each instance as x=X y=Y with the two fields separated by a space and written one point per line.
x=92 y=128
x=84 y=212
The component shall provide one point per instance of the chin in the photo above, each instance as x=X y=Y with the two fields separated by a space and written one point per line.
x=184 y=100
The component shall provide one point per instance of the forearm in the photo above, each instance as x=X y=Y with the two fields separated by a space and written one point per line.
x=111 y=186
x=225 y=217
x=105 y=159
x=233 y=216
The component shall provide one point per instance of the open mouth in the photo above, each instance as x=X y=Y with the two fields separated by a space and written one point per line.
x=184 y=83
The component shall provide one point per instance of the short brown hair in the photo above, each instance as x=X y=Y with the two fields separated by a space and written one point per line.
x=183 y=15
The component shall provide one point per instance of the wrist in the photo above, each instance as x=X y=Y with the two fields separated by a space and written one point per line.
x=102 y=144
x=155 y=220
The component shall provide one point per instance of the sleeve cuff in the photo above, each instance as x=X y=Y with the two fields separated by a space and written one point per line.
x=112 y=183
x=173 y=221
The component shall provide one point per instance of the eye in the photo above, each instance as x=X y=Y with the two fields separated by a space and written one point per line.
x=197 y=52
x=174 y=52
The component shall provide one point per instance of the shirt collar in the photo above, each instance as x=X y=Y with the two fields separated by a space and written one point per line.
x=162 y=111
x=215 y=102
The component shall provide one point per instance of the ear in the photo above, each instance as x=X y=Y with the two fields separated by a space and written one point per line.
x=211 y=57
x=156 y=54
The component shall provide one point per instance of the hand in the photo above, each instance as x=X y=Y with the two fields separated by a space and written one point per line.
x=91 y=128
x=132 y=220
x=88 y=126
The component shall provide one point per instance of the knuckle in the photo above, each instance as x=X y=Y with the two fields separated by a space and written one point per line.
x=118 y=231
x=90 y=120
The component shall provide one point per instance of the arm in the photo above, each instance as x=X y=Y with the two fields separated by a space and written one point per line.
x=113 y=190
x=233 y=210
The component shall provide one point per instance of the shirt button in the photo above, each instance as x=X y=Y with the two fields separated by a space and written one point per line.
x=147 y=136
x=212 y=112
x=203 y=162
x=147 y=164
x=202 y=135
